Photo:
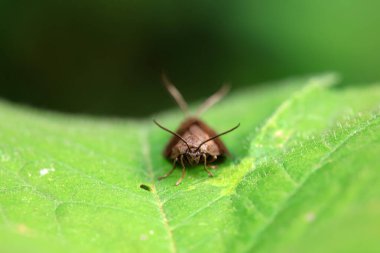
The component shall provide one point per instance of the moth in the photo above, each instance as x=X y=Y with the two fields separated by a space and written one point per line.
x=194 y=142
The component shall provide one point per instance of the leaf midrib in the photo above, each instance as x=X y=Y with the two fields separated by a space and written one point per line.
x=160 y=204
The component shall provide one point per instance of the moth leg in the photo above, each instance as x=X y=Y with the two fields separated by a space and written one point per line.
x=213 y=159
x=205 y=166
x=183 y=172
x=171 y=171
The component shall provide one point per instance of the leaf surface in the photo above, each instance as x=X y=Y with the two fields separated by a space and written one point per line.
x=304 y=177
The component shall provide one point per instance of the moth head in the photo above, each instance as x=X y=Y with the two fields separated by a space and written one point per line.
x=193 y=155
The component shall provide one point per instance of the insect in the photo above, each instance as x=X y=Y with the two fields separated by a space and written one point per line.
x=194 y=142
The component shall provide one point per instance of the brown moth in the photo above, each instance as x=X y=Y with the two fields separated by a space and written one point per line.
x=194 y=142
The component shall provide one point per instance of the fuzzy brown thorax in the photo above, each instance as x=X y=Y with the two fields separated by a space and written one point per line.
x=194 y=132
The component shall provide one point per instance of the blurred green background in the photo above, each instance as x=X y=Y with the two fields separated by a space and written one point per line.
x=105 y=57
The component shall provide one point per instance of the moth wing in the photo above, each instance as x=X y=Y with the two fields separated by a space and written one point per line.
x=184 y=127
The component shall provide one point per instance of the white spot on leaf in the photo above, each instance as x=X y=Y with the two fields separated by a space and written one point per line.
x=45 y=171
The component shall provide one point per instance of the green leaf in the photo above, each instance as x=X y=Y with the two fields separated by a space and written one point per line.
x=304 y=177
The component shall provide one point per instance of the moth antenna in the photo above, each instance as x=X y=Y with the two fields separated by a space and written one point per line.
x=216 y=136
x=175 y=94
x=213 y=99
x=173 y=133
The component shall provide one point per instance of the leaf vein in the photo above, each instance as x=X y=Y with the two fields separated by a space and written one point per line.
x=160 y=204
x=321 y=164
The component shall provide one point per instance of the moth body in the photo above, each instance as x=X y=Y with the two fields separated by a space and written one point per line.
x=194 y=142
